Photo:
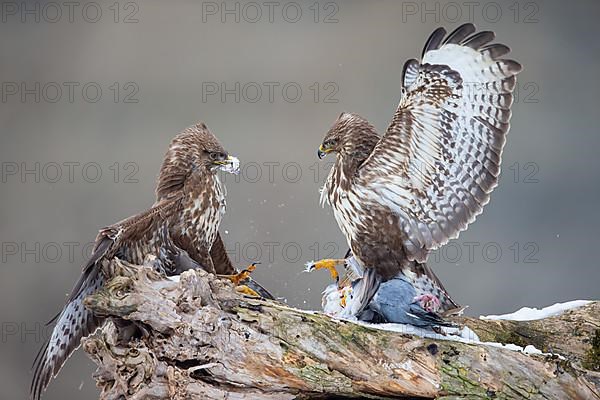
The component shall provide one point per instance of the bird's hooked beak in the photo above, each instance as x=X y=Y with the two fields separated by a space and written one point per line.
x=231 y=165
x=322 y=152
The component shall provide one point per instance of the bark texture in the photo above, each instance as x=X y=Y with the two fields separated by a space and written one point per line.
x=199 y=339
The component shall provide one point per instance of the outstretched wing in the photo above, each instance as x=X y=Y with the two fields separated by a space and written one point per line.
x=440 y=157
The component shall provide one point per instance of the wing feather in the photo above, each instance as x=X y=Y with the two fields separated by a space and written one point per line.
x=495 y=50
x=410 y=72
x=479 y=39
x=434 y=40
x=460 y=34
x=440 y=158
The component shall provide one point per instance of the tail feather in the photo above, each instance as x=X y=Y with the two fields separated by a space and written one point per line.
x=73 y=323
x=363 y=290
x=258 y=288
x=426 y=281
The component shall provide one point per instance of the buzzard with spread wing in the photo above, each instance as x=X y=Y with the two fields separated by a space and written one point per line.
x=398 y=197
x=179 y=231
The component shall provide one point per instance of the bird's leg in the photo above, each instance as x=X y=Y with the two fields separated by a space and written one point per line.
x=244 y=289
x=240 y=276
x=329 y=264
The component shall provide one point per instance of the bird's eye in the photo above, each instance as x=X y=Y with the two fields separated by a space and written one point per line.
x=218 y=156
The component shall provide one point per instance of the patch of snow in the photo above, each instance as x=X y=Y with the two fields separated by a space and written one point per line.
x=529 y=349
x=464 y=335
x=531 y=314
x=203 y=366
x=174 y=278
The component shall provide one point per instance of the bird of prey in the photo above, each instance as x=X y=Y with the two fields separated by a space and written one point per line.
x=171 y=180
x=183 y=221
x=400 y=196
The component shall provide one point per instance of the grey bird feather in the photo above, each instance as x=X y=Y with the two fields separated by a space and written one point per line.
x=396 y=302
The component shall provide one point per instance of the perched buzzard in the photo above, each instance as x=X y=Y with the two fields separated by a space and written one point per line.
x=400 y=196
x=187 y=214
x=171 y=180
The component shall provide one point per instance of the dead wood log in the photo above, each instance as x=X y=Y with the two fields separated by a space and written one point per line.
x=199 y=339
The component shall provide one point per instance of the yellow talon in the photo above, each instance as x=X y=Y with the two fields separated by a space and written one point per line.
x=329 y=264
x=240 y=276
x=246 y=290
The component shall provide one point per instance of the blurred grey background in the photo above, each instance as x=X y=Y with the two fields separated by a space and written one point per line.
x=92 y=95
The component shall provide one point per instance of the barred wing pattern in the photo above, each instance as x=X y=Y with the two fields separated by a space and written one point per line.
x=440 y=158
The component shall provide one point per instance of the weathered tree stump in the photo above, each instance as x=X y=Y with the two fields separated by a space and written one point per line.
x=199 y=339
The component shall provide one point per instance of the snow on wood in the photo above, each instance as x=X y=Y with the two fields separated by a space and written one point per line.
x=532 y=314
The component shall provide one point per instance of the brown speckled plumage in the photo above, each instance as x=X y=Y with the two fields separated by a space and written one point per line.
x=189 y=207
x=398 y=197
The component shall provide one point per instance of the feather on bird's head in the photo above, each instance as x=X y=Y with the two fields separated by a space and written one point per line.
x=347 y=136
x=194 y=150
